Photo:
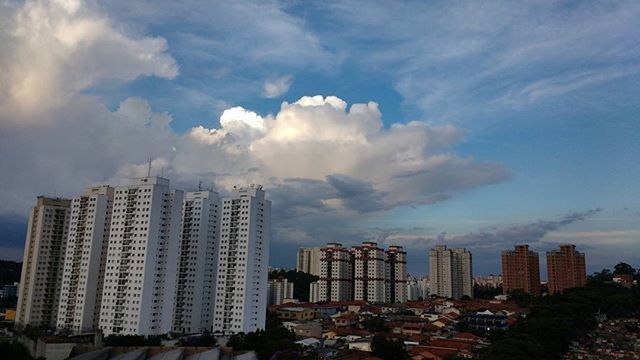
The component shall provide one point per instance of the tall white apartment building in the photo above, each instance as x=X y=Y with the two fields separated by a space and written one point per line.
x=279 y=290
x=198 y=263
x=336 y=277
x=41 y=276
x=241 y=296
x=462 y=273
x=450 y=272
x=84 y=265
x=308 y=260
x=396 y=275
x=369 y=272
x=142 y=259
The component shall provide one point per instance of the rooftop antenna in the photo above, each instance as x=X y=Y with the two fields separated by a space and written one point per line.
x=200 y=185
x=149 y=169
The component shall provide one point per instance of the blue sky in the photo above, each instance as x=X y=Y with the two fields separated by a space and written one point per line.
x=490 y=116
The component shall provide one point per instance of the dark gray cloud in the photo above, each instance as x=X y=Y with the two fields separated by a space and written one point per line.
x=358 y=195
x=518 y=233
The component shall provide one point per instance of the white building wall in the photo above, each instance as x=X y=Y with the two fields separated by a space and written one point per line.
x=369 y=272
x=41 y=278
x=308 y=260
x=279 y=290
x=241 y=298
x=82 y=278
x=440 y=271
x=141 y=264
x=450 y=272
x=336 y=275
x=396 y=275
x=197 y=267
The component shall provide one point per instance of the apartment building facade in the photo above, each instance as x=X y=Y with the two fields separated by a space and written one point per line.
x=336 y=274
x=521 y=270
x=369 y=267
x=142 y=259
x=396 y=275
x=41 y=277
x=450 y=272
x=241 y=295
x=84 y=260
x=308 y=260
x=279 y=290
x=197 y=263
x=566 y=269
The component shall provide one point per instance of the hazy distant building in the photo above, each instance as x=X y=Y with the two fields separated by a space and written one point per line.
x=308 y=260
x=369 y=272
x=565 y=269
x=396 y=275
x=197 y=263
x=84 y=260
x=424 y=285
x=44 y=250
x=243 y=260
x=9 y=290
x=413 y=290
x=450 y=272
x=142 y=259
x=492 y=281
x=314 y=292
x=279 y=290
x=521 y=270
x=336 y=277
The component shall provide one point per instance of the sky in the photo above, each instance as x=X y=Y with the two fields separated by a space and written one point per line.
x=472 y=124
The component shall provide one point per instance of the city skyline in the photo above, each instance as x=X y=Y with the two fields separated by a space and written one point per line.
x=473 y=125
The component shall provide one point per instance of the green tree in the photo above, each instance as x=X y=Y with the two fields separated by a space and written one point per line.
x=274 y=339
x=375 y=324
x=301 y=282
x=624 y=269
x=388 y=349
x=555 y=320
x=14 y=350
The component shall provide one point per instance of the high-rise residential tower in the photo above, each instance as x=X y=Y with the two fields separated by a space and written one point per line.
x=396 y=275
x=369 y=272
x=241 y=296
x=336 y=276
x=462 y=273
x=521 y=270
x=198 y=263
x=565 y=269
x=84 y=260
x=450 y=272
x=279 y=291
x=308 y=260
x=44 y=250
x=142 y=259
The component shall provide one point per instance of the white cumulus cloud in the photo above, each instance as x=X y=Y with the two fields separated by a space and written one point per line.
x=51 y=50
x=274 y=88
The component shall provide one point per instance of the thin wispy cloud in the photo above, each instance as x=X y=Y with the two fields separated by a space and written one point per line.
x=274 y=88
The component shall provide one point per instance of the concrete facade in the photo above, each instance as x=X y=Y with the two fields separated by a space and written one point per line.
x=41 y=278
x=241 y=296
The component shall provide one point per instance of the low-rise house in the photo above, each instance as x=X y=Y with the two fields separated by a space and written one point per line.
x=309 y=342
x=296 y=313
x=345 y=320
x=411 y=328
x=362 y=344
x=486 y=320
x=304 y=329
